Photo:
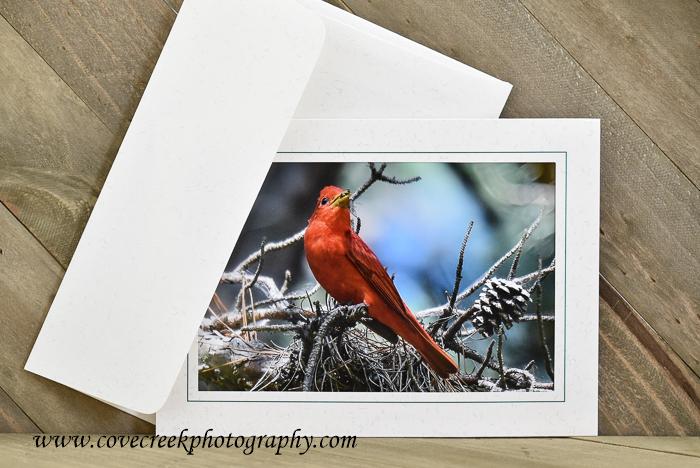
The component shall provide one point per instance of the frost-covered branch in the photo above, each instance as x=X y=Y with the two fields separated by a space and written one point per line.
x=329 y=347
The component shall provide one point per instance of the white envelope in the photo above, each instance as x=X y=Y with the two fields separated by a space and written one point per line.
x=231 y=76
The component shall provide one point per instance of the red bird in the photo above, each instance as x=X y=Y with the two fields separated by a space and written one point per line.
x=350 y=272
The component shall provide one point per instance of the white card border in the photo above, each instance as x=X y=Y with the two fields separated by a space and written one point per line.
x=577 y=415
x=558 y=395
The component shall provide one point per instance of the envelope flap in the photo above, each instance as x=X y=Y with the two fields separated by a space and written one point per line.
x=188 y=170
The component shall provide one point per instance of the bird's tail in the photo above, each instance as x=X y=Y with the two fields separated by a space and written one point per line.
x=412 y=331
x=434 y=355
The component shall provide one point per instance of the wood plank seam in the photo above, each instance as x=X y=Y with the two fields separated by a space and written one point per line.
x=686 y=387
x=619 y=131
x=92 y=111
x=619 y=106
x=590 y=75
x=346 y=6
x=56 y=408
x=604 y=419
x=26 y=228
x=57 y=74
x=622 y=109
x=663 y=408
x=618 y=297
x=19 y=408
x=632 y=447
x=645 y=53
x=636 y=324
x=167 y=3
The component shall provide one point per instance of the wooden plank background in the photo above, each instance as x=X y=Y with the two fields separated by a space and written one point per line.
x=640 y=452
x=72 y=73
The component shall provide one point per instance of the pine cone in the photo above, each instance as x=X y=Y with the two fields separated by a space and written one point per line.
x=502 y=302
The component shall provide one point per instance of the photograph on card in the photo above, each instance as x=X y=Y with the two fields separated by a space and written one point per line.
x=389 y=277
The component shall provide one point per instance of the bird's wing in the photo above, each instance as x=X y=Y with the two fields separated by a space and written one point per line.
x=373 y=271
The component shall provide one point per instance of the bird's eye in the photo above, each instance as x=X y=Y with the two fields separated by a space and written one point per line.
x=324 y=201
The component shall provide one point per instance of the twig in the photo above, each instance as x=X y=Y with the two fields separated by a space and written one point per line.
x=294 y=296
x=460 y=263
x=482 y=368
x=221 y=321
x=439 y=310
x=235 y=320
x=457 y=324
x=536 y=274
x=540 y=328
x=516 y=260
x=287 y=280
x=500 y=358
x=260 y=264
x=235 y=362
x=533 y=317
x=459 y=348
x=449 y=311
x=271 y=247
x=377 y=174
x=489 y=273
x=543 y=385
x=315 y=354
x=518 y=254
x=271 y=328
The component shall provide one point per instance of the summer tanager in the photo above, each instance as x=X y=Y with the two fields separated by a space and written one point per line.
x=352 y=274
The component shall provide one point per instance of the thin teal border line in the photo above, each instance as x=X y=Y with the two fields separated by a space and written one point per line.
x=566 y=189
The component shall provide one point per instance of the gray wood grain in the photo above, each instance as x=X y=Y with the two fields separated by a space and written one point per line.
x=644 y=387
x=645 y=55
x=104 y=51
x=64 y=109
x=30 y=277
x=174 y=5
x=54 y=152
x=650 y=211
x=678 y=445
x=12 y=418
x=54 y=155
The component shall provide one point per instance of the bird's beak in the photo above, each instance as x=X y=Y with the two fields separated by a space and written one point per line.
x=342 y=200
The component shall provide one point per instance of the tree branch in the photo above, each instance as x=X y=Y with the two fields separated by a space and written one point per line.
x=328 y=352
x=377 y=175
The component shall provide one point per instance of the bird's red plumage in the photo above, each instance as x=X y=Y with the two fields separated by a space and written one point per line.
x=350 y=272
